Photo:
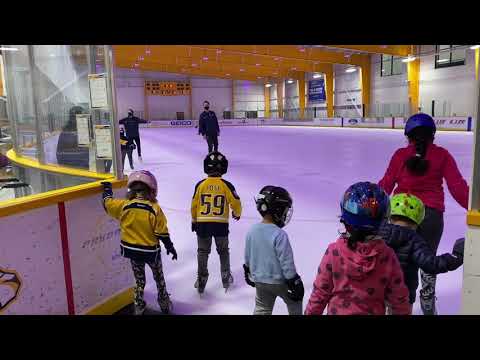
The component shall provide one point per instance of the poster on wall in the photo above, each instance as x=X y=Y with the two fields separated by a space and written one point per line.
x=103 y=141
x=98 y=91
x=83 y=131
x=316 y=90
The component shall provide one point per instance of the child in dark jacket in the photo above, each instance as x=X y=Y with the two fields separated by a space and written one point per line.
x=127 y=146
x=359 y=272
x=413 y=252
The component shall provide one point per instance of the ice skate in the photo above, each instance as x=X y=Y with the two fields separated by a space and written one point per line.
x=140 y=159
x=139 y=309
x=427 y=304
x=227 y=280
x=201 y=283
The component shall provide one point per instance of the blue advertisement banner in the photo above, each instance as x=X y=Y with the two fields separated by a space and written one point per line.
x=316 y=90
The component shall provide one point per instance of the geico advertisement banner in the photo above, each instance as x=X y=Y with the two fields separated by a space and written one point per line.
x=328 y=122
x=98 y=269
x=172 y=123
x=368 y=122
x=32 y=278
x=443 y=123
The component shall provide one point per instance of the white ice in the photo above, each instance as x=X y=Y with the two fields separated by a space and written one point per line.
x=315 y=165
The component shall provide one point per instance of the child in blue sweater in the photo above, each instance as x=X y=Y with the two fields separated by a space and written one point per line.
x=269 y=264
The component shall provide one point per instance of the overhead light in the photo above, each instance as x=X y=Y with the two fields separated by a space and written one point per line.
x=219 y=51
x=316 y=76
x=350 y=70
x=259 y=77
x=293 y=68
x=443 y=60
x=409 y=59
x=276 y=58
x=257 y=64
x=301 y=49
x=475 y=47
x=136 y=65
x=227 y=74
x=242 y=70
x=8 y=49
x=267 y=85
x=194 y=65
x=147 y=51
x=290 y=81
x=205 y=58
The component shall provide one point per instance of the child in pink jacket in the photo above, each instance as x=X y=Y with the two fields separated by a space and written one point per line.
x=359 y=272
x=419 y=169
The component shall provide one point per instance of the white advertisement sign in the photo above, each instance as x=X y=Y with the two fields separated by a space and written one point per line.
x=98 y=269
x=368 y=122
x=98 y=90
x=443 y=123
x=83 y=129
x=103 y=141
x=328 y=122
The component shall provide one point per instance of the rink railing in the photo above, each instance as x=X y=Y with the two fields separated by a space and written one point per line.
x=443 y=123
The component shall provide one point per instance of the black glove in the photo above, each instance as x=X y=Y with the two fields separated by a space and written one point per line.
x=169 y=246
x=235 y=217
x=458 y=248
x=295 y=288
x=246 y=270
x=194 y=227
x=107 y=189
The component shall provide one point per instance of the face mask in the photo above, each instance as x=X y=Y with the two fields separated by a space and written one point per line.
x=206 y=107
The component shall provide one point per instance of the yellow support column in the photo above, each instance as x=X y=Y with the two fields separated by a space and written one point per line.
x=477 y=56
x=329 y=89
x=266 y=93
x=301 y=95
x=365 y=85
x=280 y=88
x=233 y=99
x=190 y=99
x=1 y=76
x=413 y=76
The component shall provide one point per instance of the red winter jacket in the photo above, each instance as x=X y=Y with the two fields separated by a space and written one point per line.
x=428 y=187
x=359 y=282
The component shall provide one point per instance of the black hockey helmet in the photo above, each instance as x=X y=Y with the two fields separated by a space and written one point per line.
x=277 y=202
x=215 y=164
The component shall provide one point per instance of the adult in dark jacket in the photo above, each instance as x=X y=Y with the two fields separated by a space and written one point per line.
x=131 y=128
x=413 y=252
x=68 y=151
x=208 y=127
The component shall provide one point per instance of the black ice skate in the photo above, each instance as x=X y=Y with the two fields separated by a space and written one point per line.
x=165 y=303
x=427 y=294
x=227 y=279
x=139 y=309
x=201 y=283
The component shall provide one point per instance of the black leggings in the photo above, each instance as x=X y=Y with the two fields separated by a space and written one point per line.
x=136 y=140
x=130 y=159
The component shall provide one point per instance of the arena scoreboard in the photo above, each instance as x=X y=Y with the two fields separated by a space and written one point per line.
x=167 y=88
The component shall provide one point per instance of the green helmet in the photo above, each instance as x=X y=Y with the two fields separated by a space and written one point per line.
x=408 y=206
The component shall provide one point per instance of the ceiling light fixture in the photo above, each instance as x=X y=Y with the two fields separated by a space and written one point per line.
x=290 y=81
x=316 y=76
x=409 y=59
x=267 y=85
x=8 y=49
x=475 y=47
x=350 y=70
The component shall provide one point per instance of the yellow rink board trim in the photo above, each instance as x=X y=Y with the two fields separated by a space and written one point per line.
x=113 y=304
x=26 y=203
x=473 y=218
x=25 y=161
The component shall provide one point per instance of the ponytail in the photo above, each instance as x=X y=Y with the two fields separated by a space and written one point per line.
x=421 y=137
x=354 y=236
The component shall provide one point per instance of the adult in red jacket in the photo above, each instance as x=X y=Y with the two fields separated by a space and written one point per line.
x=419 y=169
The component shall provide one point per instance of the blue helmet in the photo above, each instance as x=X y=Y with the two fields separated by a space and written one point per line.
x=364 y=206
x=420 y=119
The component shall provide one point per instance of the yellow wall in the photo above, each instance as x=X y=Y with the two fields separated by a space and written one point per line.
x=329 y=90
x=301 y=95
x=267 y=101
x=413 y=75
x=365 y=85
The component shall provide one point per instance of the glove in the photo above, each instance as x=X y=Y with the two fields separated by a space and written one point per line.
x=295 y=288
x=107 y=189
x=194 y=227
x=171 y=250
x=169 y=246
x=246 y=270
x=458 y=248
x=235 y=217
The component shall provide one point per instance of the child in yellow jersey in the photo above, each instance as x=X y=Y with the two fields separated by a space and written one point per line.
x=142 y=225
x=212 y=200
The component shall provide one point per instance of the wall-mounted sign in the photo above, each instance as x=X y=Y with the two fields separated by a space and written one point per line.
x=98 y=91
x=103 y=141
x=166 y=88
x=316 y=90
x=83 y=129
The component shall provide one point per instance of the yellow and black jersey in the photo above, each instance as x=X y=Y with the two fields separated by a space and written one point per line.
x=211 y=203
x=142 y=225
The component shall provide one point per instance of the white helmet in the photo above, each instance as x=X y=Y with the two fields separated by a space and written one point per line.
x=145 y=177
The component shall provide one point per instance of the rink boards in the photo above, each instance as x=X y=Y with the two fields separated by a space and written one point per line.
x=442 y=123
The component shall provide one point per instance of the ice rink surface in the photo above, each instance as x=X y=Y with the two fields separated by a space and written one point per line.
x=316 y=165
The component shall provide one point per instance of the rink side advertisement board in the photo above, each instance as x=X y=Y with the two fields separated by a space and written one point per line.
x=443 y=123
x=368 y=122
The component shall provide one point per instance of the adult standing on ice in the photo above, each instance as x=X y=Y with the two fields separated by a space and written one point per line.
x=208 y=127
x=419 y=169
x=131 y=128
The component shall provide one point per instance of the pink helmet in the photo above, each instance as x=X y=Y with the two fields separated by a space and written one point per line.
x=145 y=177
